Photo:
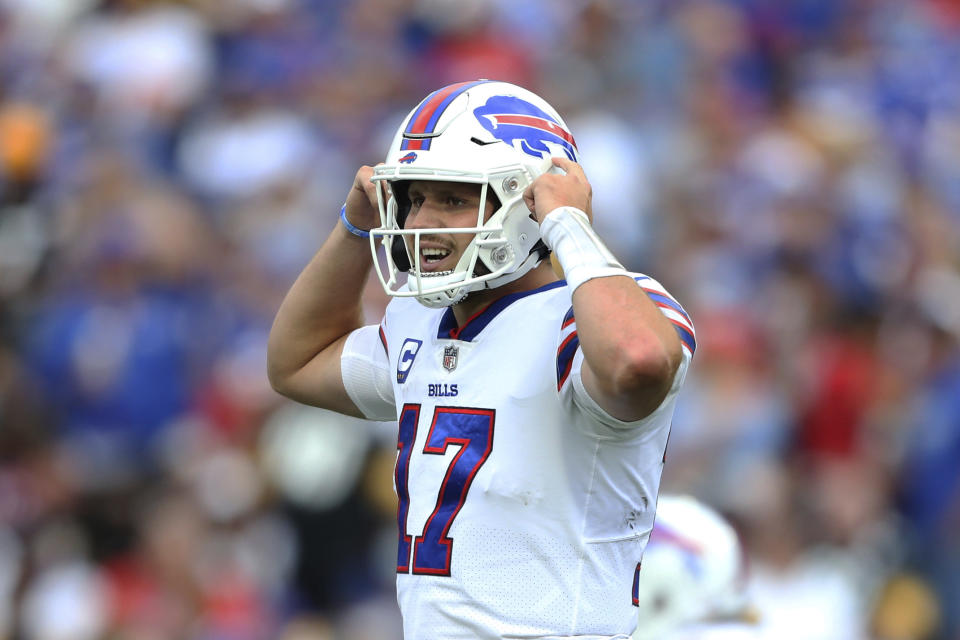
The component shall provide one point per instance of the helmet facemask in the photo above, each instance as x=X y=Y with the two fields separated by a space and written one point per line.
x=504 y=247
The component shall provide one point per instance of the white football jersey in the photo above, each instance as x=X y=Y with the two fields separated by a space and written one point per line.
x=524 y=508
x=717 y=631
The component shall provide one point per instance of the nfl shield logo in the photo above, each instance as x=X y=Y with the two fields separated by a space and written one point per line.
x=450 y=357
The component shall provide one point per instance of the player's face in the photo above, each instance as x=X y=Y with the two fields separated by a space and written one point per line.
x=443 y=205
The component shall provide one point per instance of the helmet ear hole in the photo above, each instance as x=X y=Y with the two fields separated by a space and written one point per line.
x=398 y=251
x=401 y=189
x=493 y=199
x=541 y=249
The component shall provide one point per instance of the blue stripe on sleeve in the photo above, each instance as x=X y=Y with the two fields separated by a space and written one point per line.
x=686 y=337
x=670 y=303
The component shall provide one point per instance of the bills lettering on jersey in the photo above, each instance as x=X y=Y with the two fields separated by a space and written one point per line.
x=441 y=390
x=408 y=352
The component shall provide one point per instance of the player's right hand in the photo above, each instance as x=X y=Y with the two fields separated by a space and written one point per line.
x=567 y=187
x=363 y=211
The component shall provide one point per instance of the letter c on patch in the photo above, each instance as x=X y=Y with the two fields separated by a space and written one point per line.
x=407 y=354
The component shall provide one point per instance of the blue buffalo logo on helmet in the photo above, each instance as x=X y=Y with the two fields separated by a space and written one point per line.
x=407 y=159
x=511 y=119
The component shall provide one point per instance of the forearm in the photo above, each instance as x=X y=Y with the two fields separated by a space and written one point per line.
x=323 y=305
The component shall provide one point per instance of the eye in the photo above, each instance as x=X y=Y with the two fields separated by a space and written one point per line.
x=416 y=201
x=454 y=201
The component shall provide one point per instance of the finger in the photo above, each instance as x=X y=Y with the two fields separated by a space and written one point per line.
x=567 y=165
x=384 y=183
x=363 y=190
x=365 y=181
x=528 y=198
x=362 y=179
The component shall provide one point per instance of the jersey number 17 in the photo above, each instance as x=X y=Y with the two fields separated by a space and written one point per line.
x=472 y=430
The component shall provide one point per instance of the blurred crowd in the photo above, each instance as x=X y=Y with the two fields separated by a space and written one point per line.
x=789 y=169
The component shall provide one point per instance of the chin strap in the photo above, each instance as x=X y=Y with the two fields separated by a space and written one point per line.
x=579 y=250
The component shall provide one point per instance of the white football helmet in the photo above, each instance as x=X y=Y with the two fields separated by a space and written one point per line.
x=494 y=134
x=692 y=569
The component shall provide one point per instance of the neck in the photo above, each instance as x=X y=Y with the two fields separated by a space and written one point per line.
x=539 y=276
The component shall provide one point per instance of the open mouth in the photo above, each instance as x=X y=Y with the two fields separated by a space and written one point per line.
x=434 y=261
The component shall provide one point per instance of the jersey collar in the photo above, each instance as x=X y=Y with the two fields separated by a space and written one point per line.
x=475 y=324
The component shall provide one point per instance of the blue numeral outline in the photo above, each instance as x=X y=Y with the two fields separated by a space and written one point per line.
x=471 y=429
x=406 y=435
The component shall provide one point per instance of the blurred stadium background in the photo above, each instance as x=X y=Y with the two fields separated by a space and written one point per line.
x=790 y=169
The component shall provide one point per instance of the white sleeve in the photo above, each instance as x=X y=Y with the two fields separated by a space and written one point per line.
x=366 y=374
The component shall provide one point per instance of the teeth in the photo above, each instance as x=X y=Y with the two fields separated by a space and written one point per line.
x=434 y=255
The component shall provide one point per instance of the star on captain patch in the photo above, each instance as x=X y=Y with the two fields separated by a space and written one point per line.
x=450 y=354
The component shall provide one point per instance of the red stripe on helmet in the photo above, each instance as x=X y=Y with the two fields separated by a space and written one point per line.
x=421 y=119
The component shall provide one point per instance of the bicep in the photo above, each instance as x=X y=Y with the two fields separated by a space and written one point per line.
x=320 y=382
x=351 y=377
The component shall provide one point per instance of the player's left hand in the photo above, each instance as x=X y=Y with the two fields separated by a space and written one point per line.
x=552 y=190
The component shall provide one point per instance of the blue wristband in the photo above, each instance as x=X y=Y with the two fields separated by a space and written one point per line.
x=360 y=233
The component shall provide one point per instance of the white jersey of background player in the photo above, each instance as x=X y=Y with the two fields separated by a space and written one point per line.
x=692 y=578
x=533 y=412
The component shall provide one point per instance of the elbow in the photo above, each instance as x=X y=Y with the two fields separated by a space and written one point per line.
x=277 y=376
x=644 y=368
x=282 y=366
x=277 y=381
x=284 y=386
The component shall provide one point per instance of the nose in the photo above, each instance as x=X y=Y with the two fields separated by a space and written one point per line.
x=424 y=216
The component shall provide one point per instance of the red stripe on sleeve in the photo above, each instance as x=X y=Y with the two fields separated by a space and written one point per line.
x=569 y=365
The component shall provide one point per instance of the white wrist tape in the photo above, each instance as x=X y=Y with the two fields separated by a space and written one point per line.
x=583 y=256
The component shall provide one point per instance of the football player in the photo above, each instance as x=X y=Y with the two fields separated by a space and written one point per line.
x=533 y=412
x=692 y=578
